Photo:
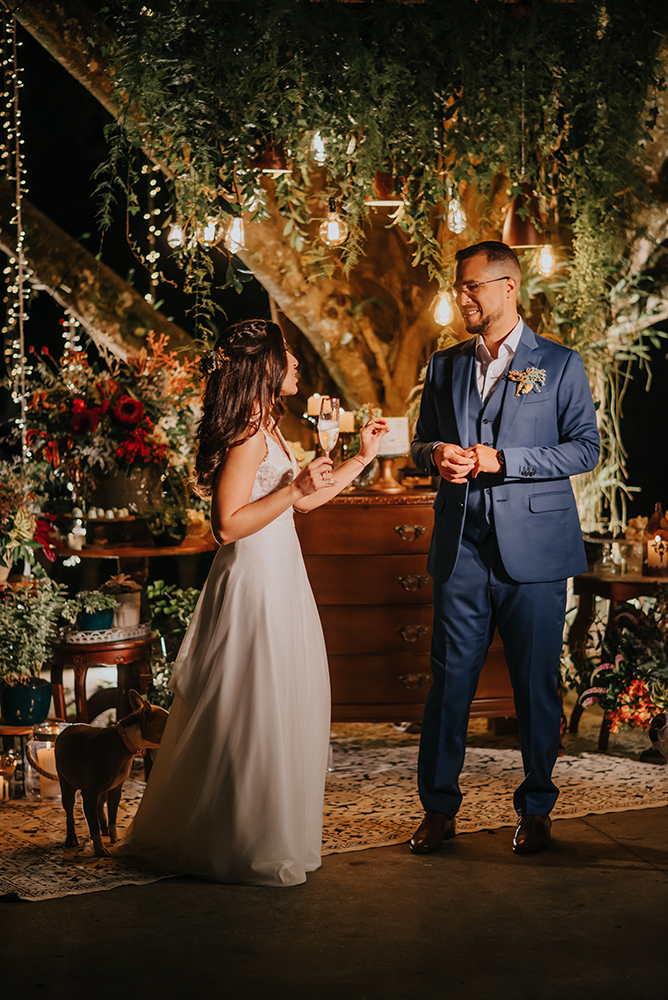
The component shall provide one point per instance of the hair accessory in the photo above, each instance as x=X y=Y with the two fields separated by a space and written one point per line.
x=212 y=361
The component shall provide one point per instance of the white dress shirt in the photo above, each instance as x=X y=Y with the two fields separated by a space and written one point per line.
x=489 y=370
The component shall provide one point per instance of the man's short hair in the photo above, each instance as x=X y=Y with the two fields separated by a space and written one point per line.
x=496 y=253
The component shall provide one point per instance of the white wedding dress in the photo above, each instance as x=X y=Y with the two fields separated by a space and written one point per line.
x=236 y=791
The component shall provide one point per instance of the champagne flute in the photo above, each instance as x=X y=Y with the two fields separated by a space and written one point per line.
x=328 y=427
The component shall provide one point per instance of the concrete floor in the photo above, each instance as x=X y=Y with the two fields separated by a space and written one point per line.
x=587 y=919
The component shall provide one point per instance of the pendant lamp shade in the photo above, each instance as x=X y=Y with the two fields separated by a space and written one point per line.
x=519 y=233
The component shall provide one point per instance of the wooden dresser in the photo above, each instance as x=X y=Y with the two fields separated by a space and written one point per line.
x=366 y=557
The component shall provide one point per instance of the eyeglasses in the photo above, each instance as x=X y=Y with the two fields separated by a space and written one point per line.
x=471 y=287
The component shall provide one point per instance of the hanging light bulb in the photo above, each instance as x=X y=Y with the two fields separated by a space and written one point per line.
x=235 y=237
x=334 y=230
x=456 y=216
x=318 y=148
x=444 y=312
x=210 y=232
x=545 y=261
x=175 y=237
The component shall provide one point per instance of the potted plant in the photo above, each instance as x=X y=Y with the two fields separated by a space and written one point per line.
x=128 y=595
x=90 y=610
x=28 y=618
x=168 y=522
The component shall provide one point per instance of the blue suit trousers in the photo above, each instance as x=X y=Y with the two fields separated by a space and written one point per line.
x=530 y=618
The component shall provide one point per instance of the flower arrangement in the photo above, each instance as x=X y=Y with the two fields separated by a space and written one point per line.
x=630 y=680
x=128 y=414
x=21 y=532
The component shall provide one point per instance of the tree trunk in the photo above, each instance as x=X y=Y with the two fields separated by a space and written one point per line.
x=115 y=315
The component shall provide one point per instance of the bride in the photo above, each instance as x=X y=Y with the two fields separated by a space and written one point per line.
x=236 y=792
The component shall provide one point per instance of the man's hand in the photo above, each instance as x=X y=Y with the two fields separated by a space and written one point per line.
x=484 y=458
x=452 y=462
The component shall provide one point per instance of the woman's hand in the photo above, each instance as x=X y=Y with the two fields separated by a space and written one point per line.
x=314 y=476
x=370 y=436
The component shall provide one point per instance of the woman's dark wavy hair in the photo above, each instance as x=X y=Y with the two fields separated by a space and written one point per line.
x=244 y=375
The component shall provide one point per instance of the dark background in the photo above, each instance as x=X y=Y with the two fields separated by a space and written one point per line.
x=63 y=131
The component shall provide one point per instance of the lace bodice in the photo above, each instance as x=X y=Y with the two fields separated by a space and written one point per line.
x=276 y=470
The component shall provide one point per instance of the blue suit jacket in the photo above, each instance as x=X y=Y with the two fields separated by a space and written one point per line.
x=545 y=436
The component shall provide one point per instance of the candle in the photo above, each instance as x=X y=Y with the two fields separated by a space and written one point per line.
x=46 y=758
x=657 y=554
x=347 y=424
x=4 y=789
x=313 y=405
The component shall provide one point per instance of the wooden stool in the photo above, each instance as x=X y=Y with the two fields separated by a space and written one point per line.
x=132 y=659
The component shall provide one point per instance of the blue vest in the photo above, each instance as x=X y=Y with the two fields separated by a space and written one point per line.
x=484 y=421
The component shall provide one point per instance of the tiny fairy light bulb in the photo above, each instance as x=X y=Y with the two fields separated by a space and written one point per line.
x=456 y=219
x=318 y=148
x=175 y=237
x=235 y=238
x=444 y=312
x=334 y=230
x=545 y=261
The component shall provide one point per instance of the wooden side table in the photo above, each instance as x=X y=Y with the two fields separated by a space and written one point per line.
x=131 y=657
x=616 y=589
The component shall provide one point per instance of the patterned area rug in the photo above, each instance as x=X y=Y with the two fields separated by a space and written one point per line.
x=370 y=801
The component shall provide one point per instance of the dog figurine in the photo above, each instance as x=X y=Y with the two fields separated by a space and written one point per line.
x=98 y=761
x=658 y=733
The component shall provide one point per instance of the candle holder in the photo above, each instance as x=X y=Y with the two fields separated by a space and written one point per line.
x=41 y=776
x=386 y=482
x=655 y=562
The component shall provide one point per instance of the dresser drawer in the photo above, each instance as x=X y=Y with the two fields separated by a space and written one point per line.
x=396 y=679
x=364 y=630
x=372 y=529
x=370 y=579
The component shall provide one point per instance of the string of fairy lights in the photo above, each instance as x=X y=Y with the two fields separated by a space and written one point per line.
x=16 y=271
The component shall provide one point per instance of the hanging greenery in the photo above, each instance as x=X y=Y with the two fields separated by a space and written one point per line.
x=460 y=101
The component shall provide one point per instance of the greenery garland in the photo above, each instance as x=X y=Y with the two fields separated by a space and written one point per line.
x=476 y=96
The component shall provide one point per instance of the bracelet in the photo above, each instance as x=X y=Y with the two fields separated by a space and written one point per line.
x=356 y=458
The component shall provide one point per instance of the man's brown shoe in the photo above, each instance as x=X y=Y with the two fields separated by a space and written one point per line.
x=532 y=834
x=432 y=831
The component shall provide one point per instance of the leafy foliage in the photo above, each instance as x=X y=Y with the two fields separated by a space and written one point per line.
x=171 y=611
x=28 y=616
x=629 y=677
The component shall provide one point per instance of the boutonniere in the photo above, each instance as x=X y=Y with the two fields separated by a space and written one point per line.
x=527 y=380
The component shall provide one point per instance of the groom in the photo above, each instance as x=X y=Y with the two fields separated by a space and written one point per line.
x=506 y=418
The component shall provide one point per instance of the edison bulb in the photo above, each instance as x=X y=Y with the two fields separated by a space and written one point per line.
x=235 y=238
x=443 y=308
x=334 y=230
x=175 y=237
x=456 y=217
x=545 y=261
x=210 y=232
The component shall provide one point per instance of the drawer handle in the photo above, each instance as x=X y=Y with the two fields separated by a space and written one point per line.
x=411 y=633
x=413 y=680
x=409 y=532
x=412 y=582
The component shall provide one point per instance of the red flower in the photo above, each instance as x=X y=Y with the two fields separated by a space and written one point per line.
x=84 y=419
x=129 y=411
x=139 y=448
x=43 y=535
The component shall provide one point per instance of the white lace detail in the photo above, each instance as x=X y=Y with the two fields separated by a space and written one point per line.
x=276 y=470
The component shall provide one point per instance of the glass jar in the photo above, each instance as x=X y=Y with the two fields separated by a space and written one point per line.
x=41 y=778
x=10 y=772
x=606 y=565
